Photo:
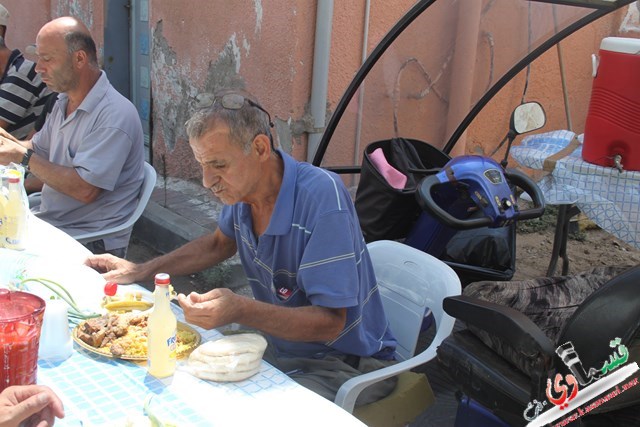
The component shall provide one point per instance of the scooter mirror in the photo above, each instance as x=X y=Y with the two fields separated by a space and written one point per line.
x=527 y=117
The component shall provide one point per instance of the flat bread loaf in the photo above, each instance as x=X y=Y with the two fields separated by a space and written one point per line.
x=231 y=358
x=234 y=344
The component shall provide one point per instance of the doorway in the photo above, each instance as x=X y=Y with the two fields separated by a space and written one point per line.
x=127 y=48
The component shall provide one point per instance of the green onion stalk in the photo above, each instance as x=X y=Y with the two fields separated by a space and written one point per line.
x=76 y=314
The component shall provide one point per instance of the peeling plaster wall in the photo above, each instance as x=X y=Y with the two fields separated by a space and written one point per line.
x=91 y=12
x=241 y=44
x=266 y=46
x=178 y=92
x=83 y=9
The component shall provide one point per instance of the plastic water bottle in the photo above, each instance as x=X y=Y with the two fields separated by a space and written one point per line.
x=55 y=339
x=161 y=331
x=14 y=222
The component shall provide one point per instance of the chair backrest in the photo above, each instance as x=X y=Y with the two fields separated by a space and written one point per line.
x=412 y=282
x=148 y=185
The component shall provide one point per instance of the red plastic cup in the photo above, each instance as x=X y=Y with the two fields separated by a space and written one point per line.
x=21 y=316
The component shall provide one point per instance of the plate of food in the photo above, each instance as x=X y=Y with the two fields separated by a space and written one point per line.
x=124 y=336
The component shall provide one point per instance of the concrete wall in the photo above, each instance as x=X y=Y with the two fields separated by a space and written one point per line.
x=198 y=46
x=263 y=46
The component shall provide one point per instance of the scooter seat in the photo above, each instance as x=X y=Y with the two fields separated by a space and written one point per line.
x=507 y=353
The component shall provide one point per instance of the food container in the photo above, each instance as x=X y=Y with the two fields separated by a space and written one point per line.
x=21 y=316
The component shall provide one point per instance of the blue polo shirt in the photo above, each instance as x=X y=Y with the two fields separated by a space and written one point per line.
x=313 y=253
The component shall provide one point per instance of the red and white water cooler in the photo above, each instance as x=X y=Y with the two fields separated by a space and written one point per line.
x=612 y=127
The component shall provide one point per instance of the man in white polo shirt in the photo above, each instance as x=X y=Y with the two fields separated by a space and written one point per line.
x=88 y=158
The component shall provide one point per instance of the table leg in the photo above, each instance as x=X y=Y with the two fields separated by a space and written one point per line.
x=565 y=213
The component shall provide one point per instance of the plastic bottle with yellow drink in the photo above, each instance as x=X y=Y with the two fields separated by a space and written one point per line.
x=14 y=217
x=161 y=330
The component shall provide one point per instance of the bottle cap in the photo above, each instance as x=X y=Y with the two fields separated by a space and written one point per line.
x=13 y=175
x=162 y=279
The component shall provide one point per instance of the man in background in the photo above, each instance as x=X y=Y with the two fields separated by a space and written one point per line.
x=22 y=92
x=88 y=159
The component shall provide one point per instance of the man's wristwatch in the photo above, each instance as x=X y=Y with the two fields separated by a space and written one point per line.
x=26 y=158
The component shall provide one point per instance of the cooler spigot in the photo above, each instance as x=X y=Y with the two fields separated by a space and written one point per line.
x=617 y=162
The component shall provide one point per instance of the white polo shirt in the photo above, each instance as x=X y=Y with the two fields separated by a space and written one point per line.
x=103 y=141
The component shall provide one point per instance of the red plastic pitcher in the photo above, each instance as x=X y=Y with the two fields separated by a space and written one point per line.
x=21 y=316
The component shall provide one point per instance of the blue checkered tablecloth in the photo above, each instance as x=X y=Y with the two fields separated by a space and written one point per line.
x=608 y=197
x=100 y=391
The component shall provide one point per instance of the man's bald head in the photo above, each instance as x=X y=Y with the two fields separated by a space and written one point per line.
x=74 y=33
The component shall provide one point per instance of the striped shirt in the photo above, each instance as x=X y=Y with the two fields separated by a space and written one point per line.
x=313 y=253
x=22 y=95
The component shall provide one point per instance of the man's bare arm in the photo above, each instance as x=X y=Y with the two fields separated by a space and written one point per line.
x=192 y=257
x=63 y=179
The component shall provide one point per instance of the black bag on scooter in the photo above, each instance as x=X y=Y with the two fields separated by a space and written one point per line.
x=386 y=212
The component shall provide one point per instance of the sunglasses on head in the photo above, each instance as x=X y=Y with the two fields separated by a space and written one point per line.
x=234 y=101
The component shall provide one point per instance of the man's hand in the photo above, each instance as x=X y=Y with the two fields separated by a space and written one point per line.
x=10 y=151
x=29 y=405
x=216 y=308
x=221 y=306
x=113 y=268
x=7 y=135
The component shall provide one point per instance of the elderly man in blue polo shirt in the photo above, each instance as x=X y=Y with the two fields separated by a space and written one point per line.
x=296 y=231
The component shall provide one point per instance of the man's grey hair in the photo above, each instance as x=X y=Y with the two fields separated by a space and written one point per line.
x=79 y=40
x=244 y=124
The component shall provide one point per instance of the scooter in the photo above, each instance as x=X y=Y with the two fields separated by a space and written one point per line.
x=477 y=193
x=435 y=71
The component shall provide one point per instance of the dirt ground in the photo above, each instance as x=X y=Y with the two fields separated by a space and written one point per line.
x=595 y=248
x=587 y=246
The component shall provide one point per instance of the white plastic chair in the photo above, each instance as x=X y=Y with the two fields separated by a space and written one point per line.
x=410 y=282
x=148 y=184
